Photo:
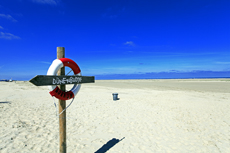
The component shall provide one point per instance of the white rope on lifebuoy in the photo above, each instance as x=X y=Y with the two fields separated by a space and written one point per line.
x=53 y=69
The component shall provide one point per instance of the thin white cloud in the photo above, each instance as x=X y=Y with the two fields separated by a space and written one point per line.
x=129 y=43
x=1 y=27
x=45 y=62
x=51 y=2
x=8 y=36
x=225 y=63
x=7 y=16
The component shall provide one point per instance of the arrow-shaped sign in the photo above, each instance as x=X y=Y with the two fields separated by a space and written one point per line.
x=44 y=80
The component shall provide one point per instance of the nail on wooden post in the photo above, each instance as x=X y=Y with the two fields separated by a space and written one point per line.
x=62 y=105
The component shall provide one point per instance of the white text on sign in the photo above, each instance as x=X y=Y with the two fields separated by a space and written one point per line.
x=65 y=81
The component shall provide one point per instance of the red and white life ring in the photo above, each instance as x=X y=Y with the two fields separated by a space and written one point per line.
x=53 y=69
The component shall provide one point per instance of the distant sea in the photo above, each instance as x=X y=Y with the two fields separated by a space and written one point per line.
x=152 y=75
x=167 y=75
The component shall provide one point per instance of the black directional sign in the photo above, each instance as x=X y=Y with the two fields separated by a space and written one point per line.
x=44 y=80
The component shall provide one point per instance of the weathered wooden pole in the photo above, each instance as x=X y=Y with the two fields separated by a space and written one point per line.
x=62 y=105
x=49 y=80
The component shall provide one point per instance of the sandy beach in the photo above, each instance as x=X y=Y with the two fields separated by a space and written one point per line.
x=151 y=116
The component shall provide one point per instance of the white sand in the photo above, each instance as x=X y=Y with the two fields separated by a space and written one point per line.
x=151 y=116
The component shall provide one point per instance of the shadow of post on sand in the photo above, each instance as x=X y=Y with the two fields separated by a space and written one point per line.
x=5 y=102
x=108 y=145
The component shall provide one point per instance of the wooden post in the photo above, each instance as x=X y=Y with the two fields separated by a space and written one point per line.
x=42 y=80
x=62 y=105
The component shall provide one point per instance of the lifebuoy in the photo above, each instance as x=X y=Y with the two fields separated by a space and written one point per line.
x=53 y=69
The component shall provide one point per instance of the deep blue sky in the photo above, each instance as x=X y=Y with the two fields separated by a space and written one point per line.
x=114 y=36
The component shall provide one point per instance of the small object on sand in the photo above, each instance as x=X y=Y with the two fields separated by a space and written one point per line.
x=115 y=96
